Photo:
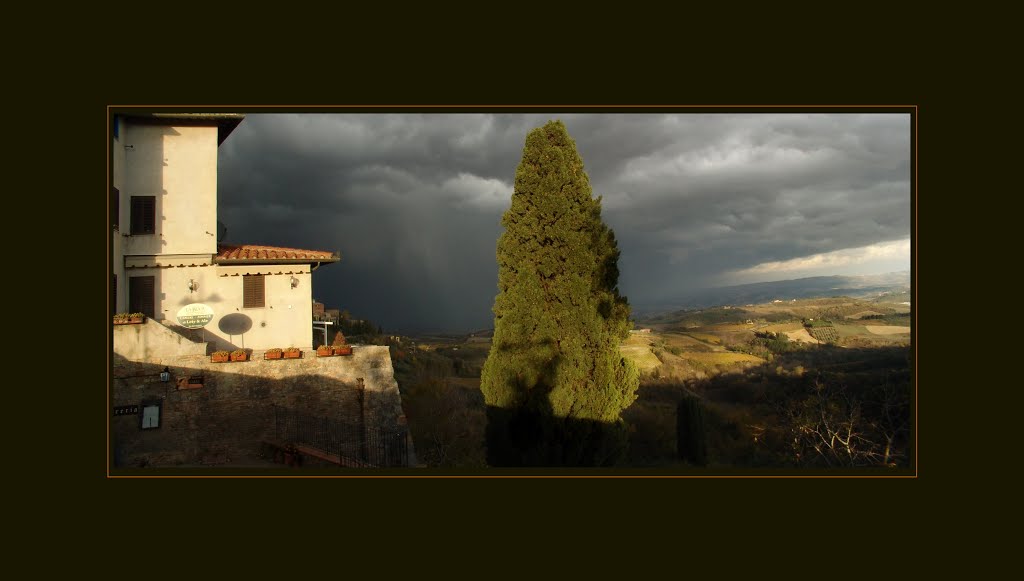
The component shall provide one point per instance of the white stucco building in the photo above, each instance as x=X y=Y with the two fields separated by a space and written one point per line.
x=165 y=252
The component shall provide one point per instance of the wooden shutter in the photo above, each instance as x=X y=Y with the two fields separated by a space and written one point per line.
x=253 y=291
x=141 y=296
x=143 y=214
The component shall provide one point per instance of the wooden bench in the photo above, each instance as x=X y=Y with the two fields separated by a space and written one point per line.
x=312 y=452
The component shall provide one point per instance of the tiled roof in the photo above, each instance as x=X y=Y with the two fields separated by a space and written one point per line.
x=256 y=254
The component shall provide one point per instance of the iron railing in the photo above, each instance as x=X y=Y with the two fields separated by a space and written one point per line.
x=354 y=443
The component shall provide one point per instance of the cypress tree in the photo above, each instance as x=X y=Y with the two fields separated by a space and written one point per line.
x=554 y=380
x=691 y=436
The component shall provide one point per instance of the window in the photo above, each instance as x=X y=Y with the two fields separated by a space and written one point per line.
x=140 y=295
x=143 y=214
x=115 y=206
x=149 y=419
x=253 y=291
x=117 y=127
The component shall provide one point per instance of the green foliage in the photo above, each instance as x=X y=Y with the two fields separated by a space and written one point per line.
x=766 y=344
x=691 y=435
x=554 y=381
x=897 y=319
x=447 y=421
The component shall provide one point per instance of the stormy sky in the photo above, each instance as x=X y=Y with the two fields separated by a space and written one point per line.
x=414 y=201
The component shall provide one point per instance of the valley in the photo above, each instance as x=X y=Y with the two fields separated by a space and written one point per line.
x=773 y=379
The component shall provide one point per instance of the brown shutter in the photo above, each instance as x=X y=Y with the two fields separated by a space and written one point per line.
x=140 y=295
x=253 y=291
x=143 y=214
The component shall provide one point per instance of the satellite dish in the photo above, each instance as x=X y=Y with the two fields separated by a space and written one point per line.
x=222 y=232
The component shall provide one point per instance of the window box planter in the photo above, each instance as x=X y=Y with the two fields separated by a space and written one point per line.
x=129 y=319
x=239 y=355
x=343 y=350
x=191 y=382
x=273 y=354
x=324 y=351
x=220 y=357
x=292 y=353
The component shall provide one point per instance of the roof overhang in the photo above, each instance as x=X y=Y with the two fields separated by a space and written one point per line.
x=167 y=260
x=225 y=122
x=242 y=261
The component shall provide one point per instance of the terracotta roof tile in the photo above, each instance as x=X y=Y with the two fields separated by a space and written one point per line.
x=254 y=253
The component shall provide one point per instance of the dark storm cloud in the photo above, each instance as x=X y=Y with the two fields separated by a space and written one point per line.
x=414 y=201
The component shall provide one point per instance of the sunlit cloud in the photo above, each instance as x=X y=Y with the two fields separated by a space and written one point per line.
x=892 y=255
x=473 y=190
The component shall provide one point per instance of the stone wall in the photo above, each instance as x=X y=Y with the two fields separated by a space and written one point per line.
x=226 y=420
x=152 y=341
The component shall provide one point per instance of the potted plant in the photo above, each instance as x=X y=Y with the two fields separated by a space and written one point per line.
x=220 y=357
x=324 y=351
x=136 y=318
x=121 y=319
x=275 y=353
x=292 y=353
x=239 y=355
x=340 y=346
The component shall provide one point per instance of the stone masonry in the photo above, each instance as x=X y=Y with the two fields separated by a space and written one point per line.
x=226 y=419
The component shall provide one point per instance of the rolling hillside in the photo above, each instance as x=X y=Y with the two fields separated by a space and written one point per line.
x=894 y=284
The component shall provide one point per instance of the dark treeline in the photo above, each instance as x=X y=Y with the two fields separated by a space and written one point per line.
x=813 y=407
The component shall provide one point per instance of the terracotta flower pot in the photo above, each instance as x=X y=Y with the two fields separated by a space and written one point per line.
x=273 y=355
x=324 y=352
x=220 y=358
x=293 y=354
x=239 y=356
x=343 y=350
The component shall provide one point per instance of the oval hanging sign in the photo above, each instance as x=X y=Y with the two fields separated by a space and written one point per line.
x=194 y=316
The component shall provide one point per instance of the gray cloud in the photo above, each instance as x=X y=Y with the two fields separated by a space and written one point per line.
x=414 y=201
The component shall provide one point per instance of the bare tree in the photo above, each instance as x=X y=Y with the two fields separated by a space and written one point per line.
x=829 y=426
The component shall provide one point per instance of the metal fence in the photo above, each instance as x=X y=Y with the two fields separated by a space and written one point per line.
x=350 y=440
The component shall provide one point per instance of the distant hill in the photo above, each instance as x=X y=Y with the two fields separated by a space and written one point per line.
x=800 y=288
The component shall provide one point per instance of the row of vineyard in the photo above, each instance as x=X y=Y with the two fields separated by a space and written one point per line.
x=825 y=334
